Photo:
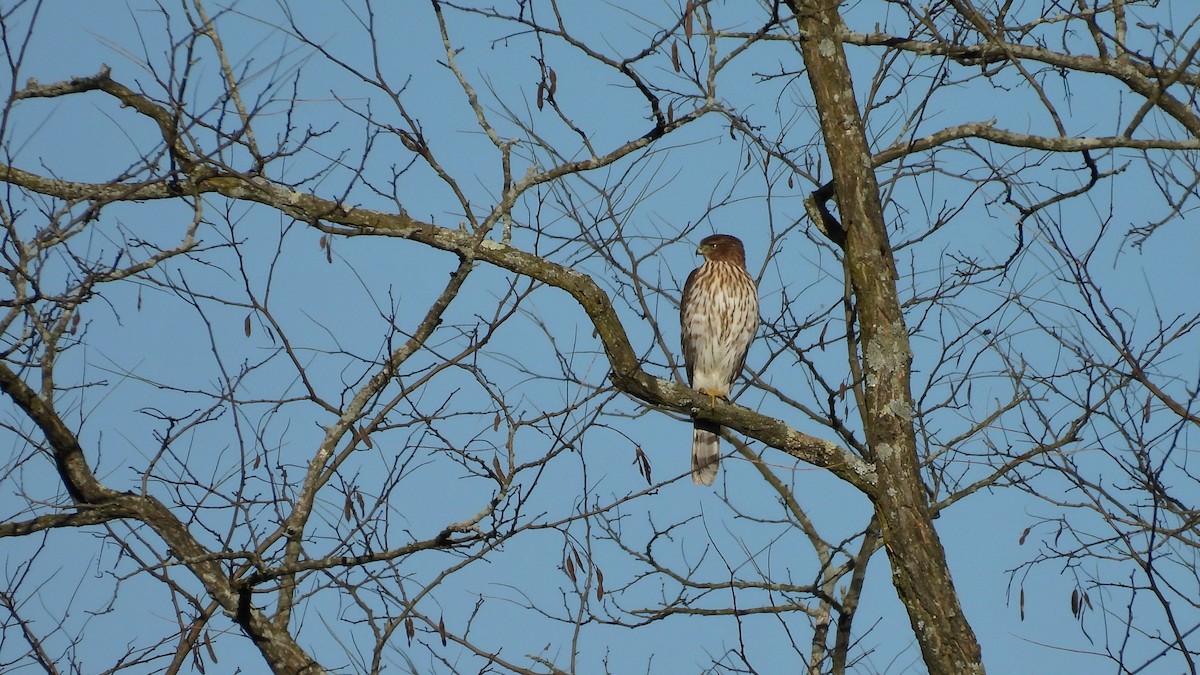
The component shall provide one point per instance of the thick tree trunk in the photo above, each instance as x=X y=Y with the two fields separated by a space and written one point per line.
x=918 y=560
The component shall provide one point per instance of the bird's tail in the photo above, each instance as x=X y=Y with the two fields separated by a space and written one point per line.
x=706 y=452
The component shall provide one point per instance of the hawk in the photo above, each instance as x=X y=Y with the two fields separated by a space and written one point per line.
x=718 y=317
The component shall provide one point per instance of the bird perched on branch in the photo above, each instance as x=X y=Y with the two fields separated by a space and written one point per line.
x=718 y=317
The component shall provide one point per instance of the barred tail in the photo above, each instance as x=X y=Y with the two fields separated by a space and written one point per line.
x=706 y=452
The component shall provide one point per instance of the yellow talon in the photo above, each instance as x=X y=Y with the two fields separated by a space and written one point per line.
x=712 y=395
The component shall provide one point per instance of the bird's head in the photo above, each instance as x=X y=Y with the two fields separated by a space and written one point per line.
x=724 y=248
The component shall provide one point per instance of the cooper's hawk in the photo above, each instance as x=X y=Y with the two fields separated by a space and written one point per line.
x=718 y=317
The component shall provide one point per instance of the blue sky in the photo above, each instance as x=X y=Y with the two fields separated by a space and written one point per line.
x=338 y=313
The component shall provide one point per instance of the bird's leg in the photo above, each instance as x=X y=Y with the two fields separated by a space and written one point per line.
x=712 y=395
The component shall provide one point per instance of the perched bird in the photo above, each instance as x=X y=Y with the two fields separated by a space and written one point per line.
x=718 y=317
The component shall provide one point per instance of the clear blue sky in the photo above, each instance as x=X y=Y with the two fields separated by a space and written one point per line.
x=335 y=309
